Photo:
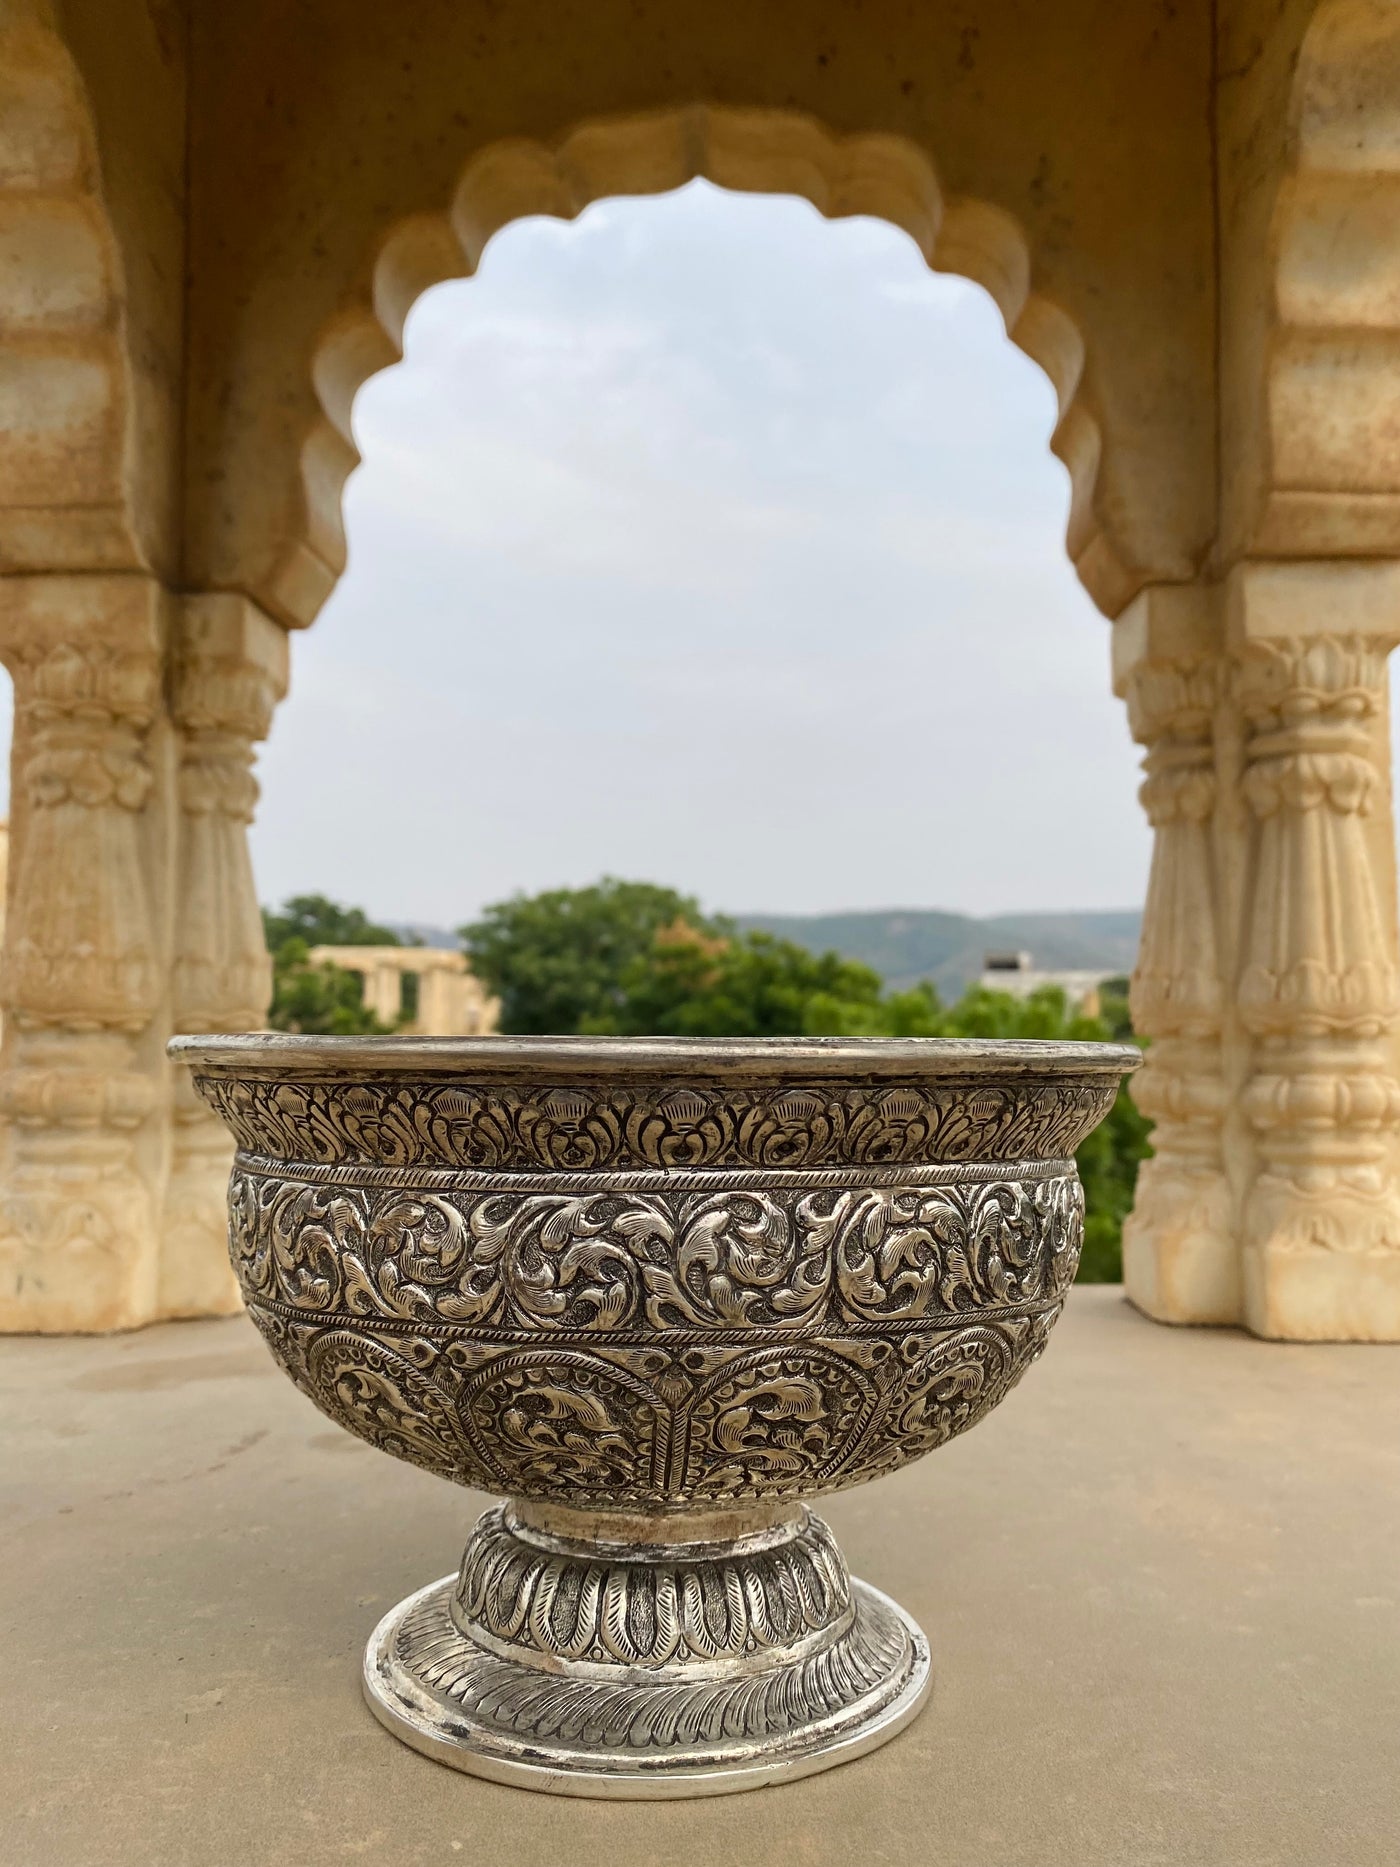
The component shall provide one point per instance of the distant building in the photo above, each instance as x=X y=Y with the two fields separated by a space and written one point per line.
x=1017 y=974
x=452 y=1001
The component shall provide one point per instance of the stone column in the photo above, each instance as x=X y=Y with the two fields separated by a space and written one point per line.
x=81 y=980
x=384 y=991
x=438 y=1009
x=1180 y=1259
x=229 y=669
x=1317 y=985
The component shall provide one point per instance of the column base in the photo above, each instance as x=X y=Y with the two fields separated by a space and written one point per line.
x=78 y=1260
x=1313 y=1294
x=1322 y=1264
x=196 y=1277
x=650 y=1670
x=1180 y=1258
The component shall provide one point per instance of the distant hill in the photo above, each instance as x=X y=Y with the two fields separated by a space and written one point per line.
x=905 y=945
x=423 y=933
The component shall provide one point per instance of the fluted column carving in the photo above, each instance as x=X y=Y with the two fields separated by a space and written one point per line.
x=81 y=978
x=1179 y=1251
x=1319 y=987
x=229 y=669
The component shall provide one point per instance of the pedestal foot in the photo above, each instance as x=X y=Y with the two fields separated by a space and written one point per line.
x=646 y=1671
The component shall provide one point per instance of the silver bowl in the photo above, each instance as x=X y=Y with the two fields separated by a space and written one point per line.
x=658 y=1294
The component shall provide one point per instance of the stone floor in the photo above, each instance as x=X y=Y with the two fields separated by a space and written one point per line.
x=1162 y=1586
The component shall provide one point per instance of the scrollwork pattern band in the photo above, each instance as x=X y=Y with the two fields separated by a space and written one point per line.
x=687 y=1348
x=579 y=1262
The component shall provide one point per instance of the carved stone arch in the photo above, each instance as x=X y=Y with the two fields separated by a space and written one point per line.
x=755 y=151
x=78 y=492
x=1327 y=471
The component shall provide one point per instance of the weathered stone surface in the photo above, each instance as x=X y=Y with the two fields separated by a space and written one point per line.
x=1159 y=1584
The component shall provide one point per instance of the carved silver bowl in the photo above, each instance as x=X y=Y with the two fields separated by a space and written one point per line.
x=658 y=1294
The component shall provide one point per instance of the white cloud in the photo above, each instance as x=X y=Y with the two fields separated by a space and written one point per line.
x=708 y=541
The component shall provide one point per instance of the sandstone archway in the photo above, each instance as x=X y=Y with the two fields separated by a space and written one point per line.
x=760 y=152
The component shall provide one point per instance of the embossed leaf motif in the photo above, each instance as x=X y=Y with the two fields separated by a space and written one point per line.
x=571 y=1428
x=776 y=1428
x=314 y=1231
x=905 y=1253
x=250 y=1241
x=418 y=1254
x=899 y=1252
x=693 y=1259
x=1005 y=1238
x=568 y=1425
x=739 y=1246
x=1059 y=1211
x=558 y=1255
x=726 y=1259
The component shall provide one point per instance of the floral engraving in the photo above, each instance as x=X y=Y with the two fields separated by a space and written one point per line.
x=618 y=1428
x=566 y=1425
x=683 y=1714
x=653 y=1614
x=695 y=1303
x=378 y=1394
x=592 y=1127
x=594 y=1263
x=773 y=1421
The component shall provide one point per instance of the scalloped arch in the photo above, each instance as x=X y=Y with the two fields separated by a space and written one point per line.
x=750 y=151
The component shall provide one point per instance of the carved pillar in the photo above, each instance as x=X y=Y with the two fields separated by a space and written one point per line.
x=384 y=992
x=81 y=979
x=229 y=671
x=1180 y=1260
x=1317 y=986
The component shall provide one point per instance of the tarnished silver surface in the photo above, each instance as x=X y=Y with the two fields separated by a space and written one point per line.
x=658 y=1293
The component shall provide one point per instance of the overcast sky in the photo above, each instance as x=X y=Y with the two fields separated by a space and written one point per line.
x=708 y=542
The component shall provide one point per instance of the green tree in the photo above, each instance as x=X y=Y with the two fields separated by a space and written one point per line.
x=635 y=960
x=690 y=983
x=319 y=921
x=557 y=960
x=324 y=999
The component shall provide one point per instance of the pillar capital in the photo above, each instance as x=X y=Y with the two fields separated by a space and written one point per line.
x=230 y=665
x=91 y=646
x=1166 y=625
x=1352 y=602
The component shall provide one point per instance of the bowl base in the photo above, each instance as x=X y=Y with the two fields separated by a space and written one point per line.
x=575 y=1729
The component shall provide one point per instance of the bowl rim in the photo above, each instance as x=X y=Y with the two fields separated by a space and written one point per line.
x=707 y=1058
